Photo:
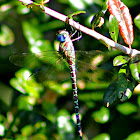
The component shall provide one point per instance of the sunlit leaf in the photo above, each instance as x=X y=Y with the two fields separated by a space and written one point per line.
x=6 y=36
x=102 y=136
x=40 y=46
x=31 y=33
x=120 y=60
x=128 y=92
x=134 y=136
x=102 y=115
x=65 y=126
x=2 y=130
x=24 y=104
x=79 y=4
x=38 y=136
x=127 y=108
x=134 y=71
x=15 y=84
x=137 y=21
x=27 y=130
x=40 y=125
x=21 y=9
x=19 y=83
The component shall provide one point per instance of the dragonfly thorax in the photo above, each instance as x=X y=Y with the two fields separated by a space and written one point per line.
x=66 y=48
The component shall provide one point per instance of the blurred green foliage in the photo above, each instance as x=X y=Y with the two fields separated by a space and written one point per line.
x=41 y=111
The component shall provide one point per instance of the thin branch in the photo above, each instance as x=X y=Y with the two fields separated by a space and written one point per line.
x=88 y=31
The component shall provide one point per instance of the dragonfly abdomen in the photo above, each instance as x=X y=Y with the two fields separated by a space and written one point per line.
x=66 y=50
x=75 y=97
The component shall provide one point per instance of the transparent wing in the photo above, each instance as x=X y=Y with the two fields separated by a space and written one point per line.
x=34 y=59
x=92 y=66
x=46 y=66
x=50 y=66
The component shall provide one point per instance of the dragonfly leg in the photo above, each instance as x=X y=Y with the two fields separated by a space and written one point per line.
x=79 y=37
x=73 y=33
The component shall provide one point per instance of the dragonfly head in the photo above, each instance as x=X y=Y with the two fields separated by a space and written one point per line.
x=62 y=35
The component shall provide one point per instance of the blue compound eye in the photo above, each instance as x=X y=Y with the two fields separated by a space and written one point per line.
x=61 y=38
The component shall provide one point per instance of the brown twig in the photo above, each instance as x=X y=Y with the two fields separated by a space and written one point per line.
x=88 y=31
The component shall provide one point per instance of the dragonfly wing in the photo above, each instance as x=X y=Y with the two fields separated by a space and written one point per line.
x=34 y=59
x=51 y=67
x=50 y=76
x=91 y=66
x=46 y=66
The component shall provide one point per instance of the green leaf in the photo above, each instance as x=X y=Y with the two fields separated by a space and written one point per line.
x=128 y=93
x=78 y=5
x=110 y=97
x=134 y=66
x=6 y=36
x=113 y=27
x=41 y=46
x=120 y=90
x=103 y=136
x=38 y=136
x=102 y=115
x=6 y=94
x=138 y=65
x=134 y=136
x=123 y=69
x=21 y=137
x=98 y=20
x=137 y=21
x=121 y=85
x=20 y=83
x=24 y=103
x=21 y=9
x=15 y=84
x=50 y=108
x=120 y=60
x=31 y=33
x=65 y=126
x=127 y=108
x=27 y=130
x=134 y=71
x=2 y=130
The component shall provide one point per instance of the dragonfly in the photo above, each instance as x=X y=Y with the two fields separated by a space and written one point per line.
x=66 y=49
x=70 y=57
